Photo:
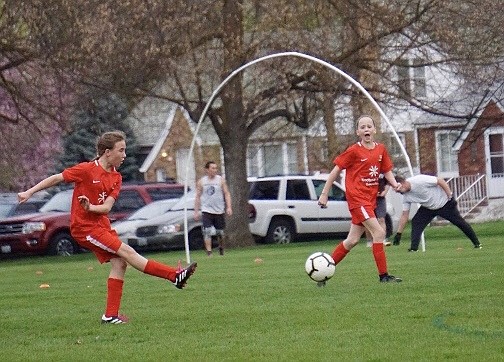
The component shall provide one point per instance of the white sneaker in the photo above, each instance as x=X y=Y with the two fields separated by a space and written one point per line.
x=386 y=243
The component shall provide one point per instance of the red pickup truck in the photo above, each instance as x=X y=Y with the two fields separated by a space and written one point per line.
x=48 y=231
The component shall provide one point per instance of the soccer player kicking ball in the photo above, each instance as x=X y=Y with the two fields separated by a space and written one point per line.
x=97 y=185
x=363 y=162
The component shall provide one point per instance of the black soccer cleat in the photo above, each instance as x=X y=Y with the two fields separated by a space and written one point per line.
x=412 y=250
x=120 y=319
x=183 y=275
x=386 y=278
x=478 y=246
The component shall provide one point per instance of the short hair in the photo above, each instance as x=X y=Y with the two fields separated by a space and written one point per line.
x=207 y=165
x=108 y=140
x=399 y=179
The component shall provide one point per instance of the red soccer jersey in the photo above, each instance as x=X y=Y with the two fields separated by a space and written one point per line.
x=363 y=168
x=93 y=181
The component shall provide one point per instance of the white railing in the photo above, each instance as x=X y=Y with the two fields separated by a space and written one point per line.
x=470 y=192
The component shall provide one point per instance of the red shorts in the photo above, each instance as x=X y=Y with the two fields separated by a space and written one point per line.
x=361 y=214
x=103 y=243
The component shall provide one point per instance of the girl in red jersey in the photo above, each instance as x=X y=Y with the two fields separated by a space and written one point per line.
x=96 y=187
x=363 y=162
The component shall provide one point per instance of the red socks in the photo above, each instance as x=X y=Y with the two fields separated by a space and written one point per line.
x=160 y=270
x=339 y=253
x=115 y=286
x=380 y=258
x=378 y=252
x=114 y=294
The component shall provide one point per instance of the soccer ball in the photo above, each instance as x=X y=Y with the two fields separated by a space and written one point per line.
x=320 y=266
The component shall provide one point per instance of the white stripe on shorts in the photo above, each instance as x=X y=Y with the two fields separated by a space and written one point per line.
x=98 y=244
x=364 y=212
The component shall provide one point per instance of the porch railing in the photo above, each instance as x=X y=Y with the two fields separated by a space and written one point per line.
x=470 y=192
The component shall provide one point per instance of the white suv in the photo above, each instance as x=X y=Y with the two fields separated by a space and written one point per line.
x=287 y=205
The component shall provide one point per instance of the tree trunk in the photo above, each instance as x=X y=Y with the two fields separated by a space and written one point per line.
x=233 y=135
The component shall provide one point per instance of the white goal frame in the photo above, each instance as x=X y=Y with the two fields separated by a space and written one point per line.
x=261 y=59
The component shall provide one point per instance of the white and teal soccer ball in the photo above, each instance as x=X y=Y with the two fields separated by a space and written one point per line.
x=320 y=266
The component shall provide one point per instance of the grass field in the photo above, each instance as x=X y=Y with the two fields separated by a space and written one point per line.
x=450 y=306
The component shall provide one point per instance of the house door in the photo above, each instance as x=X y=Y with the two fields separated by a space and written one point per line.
x=182 y=160
x=494 y=149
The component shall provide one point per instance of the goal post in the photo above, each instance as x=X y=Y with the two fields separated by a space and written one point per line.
x=218 y=89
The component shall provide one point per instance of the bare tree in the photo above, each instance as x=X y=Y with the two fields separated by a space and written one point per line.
x=190 y=46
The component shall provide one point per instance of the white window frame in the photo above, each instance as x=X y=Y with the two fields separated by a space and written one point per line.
x=160 y=175
x=259 y=158
x=441 y=153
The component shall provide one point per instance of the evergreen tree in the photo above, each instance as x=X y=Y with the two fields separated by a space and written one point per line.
x=99 y=113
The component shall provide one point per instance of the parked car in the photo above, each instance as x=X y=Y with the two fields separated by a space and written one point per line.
x=287 y=206
x=9 y=205
x=166 y=231
x=48 y=231
x=126 y=228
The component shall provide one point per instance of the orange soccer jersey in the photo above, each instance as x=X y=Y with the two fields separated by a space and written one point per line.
x=363 y=167
x=97 y=184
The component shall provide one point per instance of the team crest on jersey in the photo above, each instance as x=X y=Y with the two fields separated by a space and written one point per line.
x=101 y=197
x=373 y=171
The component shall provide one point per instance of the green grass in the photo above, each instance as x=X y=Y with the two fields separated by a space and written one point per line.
x=450 y=306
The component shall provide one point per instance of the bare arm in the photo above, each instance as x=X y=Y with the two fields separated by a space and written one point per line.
x=322 y=201
x=227 y=197
x=446 y=188
x=42 y=185
x=98 y=209
x=197 y=200
x=389 y=176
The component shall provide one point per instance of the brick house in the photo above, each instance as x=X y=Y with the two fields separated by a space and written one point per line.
x=463 y=148
x=165 y=136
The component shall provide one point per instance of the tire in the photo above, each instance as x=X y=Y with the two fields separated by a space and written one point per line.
x=196 y=239
x=389 y=226
x=62 y=244
x=280 y=231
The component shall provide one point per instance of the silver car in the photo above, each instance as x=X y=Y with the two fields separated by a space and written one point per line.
x=126 y=228
x=166 y=231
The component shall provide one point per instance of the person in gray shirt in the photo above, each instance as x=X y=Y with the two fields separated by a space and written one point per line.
x=214 y=199
x=435 y=199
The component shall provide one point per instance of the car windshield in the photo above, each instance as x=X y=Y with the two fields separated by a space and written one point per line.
x=153 y=209
x=182 y=202
x=61 y=202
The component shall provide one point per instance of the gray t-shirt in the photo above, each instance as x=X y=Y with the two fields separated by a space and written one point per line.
x=212 y=195
x=426 y=192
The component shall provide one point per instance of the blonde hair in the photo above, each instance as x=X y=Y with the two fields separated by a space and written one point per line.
x=364 y=116
x=107 y=141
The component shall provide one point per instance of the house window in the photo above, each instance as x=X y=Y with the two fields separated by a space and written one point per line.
x=160 y=175
x=272 y=159
x=496 y=154
x=447 y=161
x=411 y=78
x=253 y=160
x=394 y=148
x=291 y=151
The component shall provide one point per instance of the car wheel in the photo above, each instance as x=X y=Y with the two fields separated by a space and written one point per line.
x=63 y=244
x=196 y=239
x=389 y=226
x=280 y=231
